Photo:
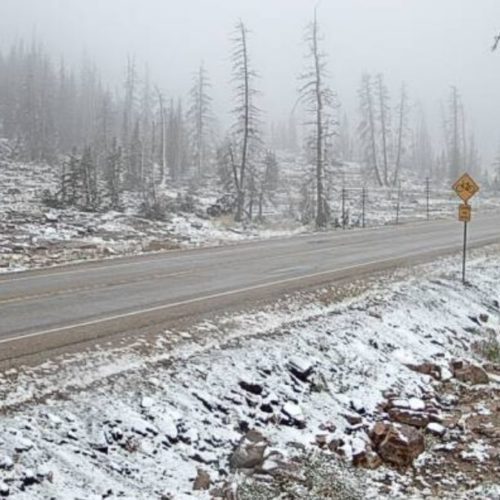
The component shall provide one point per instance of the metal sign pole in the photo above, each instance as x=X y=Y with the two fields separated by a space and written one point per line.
x=464 y=256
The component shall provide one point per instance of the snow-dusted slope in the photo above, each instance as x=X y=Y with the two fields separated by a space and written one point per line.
x=310 y=370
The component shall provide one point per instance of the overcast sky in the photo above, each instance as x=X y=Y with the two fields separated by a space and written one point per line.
x=430 y=44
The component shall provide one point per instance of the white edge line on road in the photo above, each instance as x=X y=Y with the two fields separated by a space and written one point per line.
x=228 y=292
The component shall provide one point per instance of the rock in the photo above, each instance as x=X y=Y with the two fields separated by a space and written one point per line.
x=357 y=406
x=166 y=425
x=204 y=457
x=23 y=444
x=483 y=317
x=29 y=478
x=398 y=445
x=116 y=433
x=251 y=387
x=293 y=415
x=321 y=440
x=378 y=432
x=249 y=453
x=202 y=481
x=191 y=436
x=436 y=429
x=353 y=419
x=147 y=402
x=471 y=374
x=456 y=364
x=427 y=368
x=6 y=463
x=445 y=374
x=328 y=426
x=492 y=367
x=416 y=404
x=51 y=217
x=408 y=417
x=99 y=442
x=255 y=436
x=336 y=444
x=399 y=403
x=4 y=489
x=300 y=368
x=367 y=459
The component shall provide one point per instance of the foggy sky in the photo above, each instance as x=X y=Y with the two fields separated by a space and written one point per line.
x=429 y=44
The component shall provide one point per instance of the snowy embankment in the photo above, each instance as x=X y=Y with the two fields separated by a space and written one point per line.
x=283 y=399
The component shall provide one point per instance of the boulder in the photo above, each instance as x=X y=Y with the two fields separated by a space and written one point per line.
x=321 y=440
x=353 y=419
x=4 y=489
x=471 y=374
x=409 y=417
x=436 y=429
x=398 y=445
x=292 y=415
x=202 y=481
x=427 y=368
x=249 y=453
x=300 y=368
x=6 y=463
x=484 y=318
x=252 y=387
x=367 y=459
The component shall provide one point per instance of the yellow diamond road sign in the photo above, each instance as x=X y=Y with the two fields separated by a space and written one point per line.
x=466 y=187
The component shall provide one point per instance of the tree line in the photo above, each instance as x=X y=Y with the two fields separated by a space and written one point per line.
x=138 y=140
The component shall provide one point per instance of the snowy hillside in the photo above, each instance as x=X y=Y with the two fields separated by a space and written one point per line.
x=33 y=234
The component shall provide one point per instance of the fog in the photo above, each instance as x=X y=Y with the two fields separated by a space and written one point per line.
x=428 y=44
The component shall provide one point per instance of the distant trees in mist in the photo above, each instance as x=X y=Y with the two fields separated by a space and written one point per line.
x=137 y=140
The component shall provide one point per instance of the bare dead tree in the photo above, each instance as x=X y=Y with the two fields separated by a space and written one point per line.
x=163 y=134
x=200 y=116
x=385 y=123
x=455 y=154
x=402 y=112
x=319 y=101
x=496 y=43
x=367 y=127
x=245 y=129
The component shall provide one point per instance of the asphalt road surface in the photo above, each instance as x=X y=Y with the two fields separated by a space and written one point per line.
x=50 y=308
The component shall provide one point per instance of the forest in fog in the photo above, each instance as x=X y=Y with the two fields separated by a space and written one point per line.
x=105 y=140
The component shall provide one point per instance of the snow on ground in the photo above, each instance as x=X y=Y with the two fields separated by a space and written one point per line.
x=139 y=421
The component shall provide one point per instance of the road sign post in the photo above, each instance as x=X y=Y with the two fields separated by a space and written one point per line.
x=464 y=254
x=465 y=188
